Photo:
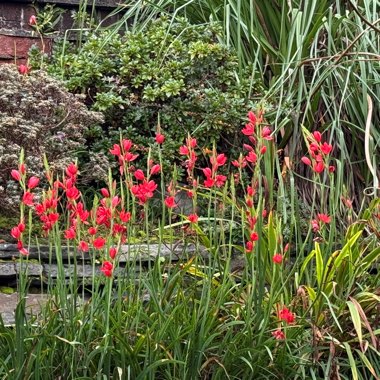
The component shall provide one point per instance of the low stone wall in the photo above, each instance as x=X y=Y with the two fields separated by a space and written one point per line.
x=17 y=36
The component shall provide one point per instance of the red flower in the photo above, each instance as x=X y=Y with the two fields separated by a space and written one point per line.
x=33 y=182
x=266 y=133
x=113 y=252
x=306 y=161
x=160 y=138
x=15 y=232
x=53 y=217
x=27 y=198
x=278 y=334
x=129 y=157
x=125 y=216
x=277 y=258
x=326 y=148
x=99 y=242
x=220 y=180
x=192 y=218
x=21 y=227
x=23 y=69
x=252 y=117
x=248 y=130
x=83 y=246
x=16 y=175
x=319 y=167
x=209 y=182
x=107 y=268
x=286 y=315
x=139 y=175
x=72 y=193
x=170 y=202
x=105 y=192
x=317 y=136
x=116 y=151
x=263 y=149
x=70 y=234
x=72 y=170
x=127 y=144
x=251 y=157
x=249 y=247
x=324 y=218
x=155 y=169
x=221 y=159
x=92 y=231
x=32 y=20
x=254 y=236
x=184 y=150
x=115 y=201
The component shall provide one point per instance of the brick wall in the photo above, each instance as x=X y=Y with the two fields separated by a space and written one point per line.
x=16 y=35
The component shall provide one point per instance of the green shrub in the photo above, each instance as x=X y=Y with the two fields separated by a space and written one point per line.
x=40 y=116
x=175 y=74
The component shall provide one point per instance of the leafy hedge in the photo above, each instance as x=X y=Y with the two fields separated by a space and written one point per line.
x=173 y=73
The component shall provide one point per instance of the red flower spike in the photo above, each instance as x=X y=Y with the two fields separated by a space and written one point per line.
x=16 y=175
x=107 y=268
x=160 y=138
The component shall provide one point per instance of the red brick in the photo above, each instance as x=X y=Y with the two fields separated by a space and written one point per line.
x=16 y=46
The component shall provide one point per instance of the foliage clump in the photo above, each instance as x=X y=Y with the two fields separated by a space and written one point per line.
x=173 y=73
x=38 y=115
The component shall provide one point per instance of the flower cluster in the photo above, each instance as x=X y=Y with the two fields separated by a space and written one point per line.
x=320 y=221
x=211 y=174
x=319 y=154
